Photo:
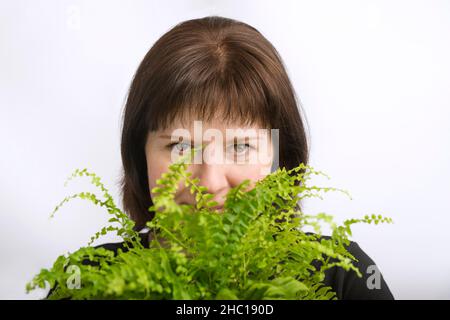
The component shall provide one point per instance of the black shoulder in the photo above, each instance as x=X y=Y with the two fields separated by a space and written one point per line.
x=347 y=284
x=115 y=246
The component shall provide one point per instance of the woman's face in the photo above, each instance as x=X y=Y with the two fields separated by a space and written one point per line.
x=231 y=154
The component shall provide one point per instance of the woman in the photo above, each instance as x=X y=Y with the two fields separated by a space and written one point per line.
x=227 y=75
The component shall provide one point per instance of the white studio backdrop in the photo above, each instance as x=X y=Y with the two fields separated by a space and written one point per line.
x=373 y=78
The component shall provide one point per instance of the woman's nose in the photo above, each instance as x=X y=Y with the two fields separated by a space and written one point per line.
x=213 y=177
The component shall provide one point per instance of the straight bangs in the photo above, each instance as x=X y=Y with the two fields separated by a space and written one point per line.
x=233 y=93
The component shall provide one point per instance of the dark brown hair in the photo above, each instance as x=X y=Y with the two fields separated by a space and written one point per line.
x=199 y=68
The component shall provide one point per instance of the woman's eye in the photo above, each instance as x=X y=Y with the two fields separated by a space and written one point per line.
x=180 y=146
x=241 y=147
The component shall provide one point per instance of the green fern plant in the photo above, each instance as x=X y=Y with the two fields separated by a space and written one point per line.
x=254 y=249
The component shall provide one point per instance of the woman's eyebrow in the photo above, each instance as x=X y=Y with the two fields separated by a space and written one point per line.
x=166 y=136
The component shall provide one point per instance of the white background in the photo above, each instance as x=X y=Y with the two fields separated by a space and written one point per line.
x=373 y=77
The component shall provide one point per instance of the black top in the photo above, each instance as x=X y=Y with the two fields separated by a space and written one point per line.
x=346 y=284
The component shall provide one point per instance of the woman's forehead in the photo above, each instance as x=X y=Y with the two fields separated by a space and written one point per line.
x=207 y=130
